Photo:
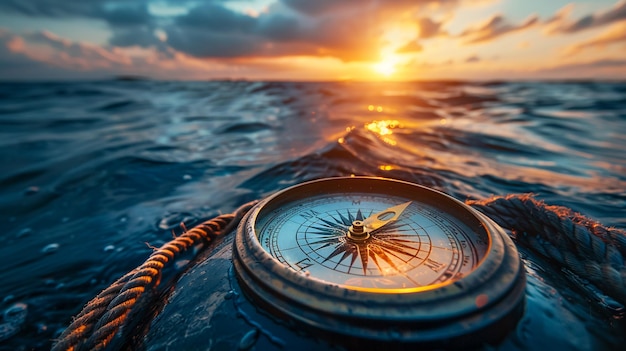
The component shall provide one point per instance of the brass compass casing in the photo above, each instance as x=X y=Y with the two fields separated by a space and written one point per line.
x=472 y=308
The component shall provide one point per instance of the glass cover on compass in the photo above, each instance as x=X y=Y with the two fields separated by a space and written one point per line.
x=417 y=245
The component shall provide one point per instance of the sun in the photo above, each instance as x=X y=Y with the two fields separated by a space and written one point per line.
x=386 y=67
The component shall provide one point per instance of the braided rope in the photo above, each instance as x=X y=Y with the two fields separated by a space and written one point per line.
x=103 y=317
x=575 y=242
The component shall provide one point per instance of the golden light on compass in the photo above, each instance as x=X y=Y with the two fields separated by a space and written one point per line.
x=316 y=251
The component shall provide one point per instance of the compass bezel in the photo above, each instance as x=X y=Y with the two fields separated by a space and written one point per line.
x=491 y=292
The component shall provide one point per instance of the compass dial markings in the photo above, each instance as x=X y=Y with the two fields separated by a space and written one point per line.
x=397 y=249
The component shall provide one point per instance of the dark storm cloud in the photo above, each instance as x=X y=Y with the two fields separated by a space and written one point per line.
x=614 y=14
x=496 y=27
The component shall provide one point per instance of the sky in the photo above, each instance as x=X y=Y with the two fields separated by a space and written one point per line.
x=313 y=40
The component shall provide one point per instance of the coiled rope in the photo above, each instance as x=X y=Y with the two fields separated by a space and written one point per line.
x=102 y=317
x=585 y=247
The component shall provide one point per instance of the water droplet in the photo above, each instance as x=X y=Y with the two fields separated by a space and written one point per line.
x=229 y=295
x=50 y=248
x=248 y=340
x=41 y=328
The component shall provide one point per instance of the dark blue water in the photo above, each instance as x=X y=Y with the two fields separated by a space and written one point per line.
x=93 y=171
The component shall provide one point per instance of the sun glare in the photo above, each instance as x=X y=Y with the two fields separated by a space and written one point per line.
x=386 y=68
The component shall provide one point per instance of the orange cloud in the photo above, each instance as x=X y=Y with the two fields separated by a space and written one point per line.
x=429 y=28
x=297 y=39
x=614 y=35
x=410 y=47
x=495 y=27
x=562 y=24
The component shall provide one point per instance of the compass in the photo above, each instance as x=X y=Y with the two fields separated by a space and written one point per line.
x=375 y=260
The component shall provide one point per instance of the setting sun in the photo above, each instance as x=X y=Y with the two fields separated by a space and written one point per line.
x=386 y=68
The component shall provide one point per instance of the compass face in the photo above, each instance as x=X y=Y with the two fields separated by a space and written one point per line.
x=424 y=247
x=380 y=260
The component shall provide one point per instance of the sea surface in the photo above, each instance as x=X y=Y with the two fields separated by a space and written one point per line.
x=94 y=173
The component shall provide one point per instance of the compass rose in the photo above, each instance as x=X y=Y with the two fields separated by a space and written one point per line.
x=376 y=238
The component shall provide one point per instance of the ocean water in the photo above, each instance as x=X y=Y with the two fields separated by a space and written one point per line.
x=93 y=172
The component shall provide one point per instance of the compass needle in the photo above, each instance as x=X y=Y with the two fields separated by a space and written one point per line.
x=384 y=217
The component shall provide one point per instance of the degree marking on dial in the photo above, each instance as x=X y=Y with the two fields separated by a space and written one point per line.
x=304 y=263
x=309 y=214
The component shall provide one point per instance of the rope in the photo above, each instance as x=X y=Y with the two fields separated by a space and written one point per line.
x=585 y=247
x=103 y=317
x=577 y=243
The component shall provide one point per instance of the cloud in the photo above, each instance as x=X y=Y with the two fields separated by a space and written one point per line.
x=563 y=25
x=19 y=60
x=410 y=47
x=52 y=8
x=350 y=30
x=115 y=13
x=211 y=30
x=495 y=27
x=65 y=53
x=189 y=36
x=320 y=7
x=472 y=59
x=614 y=35
x=214 y=17
x=608 y=68
x=429 y=28
x=44 y=55
x=127 y=15
x=201 y=43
